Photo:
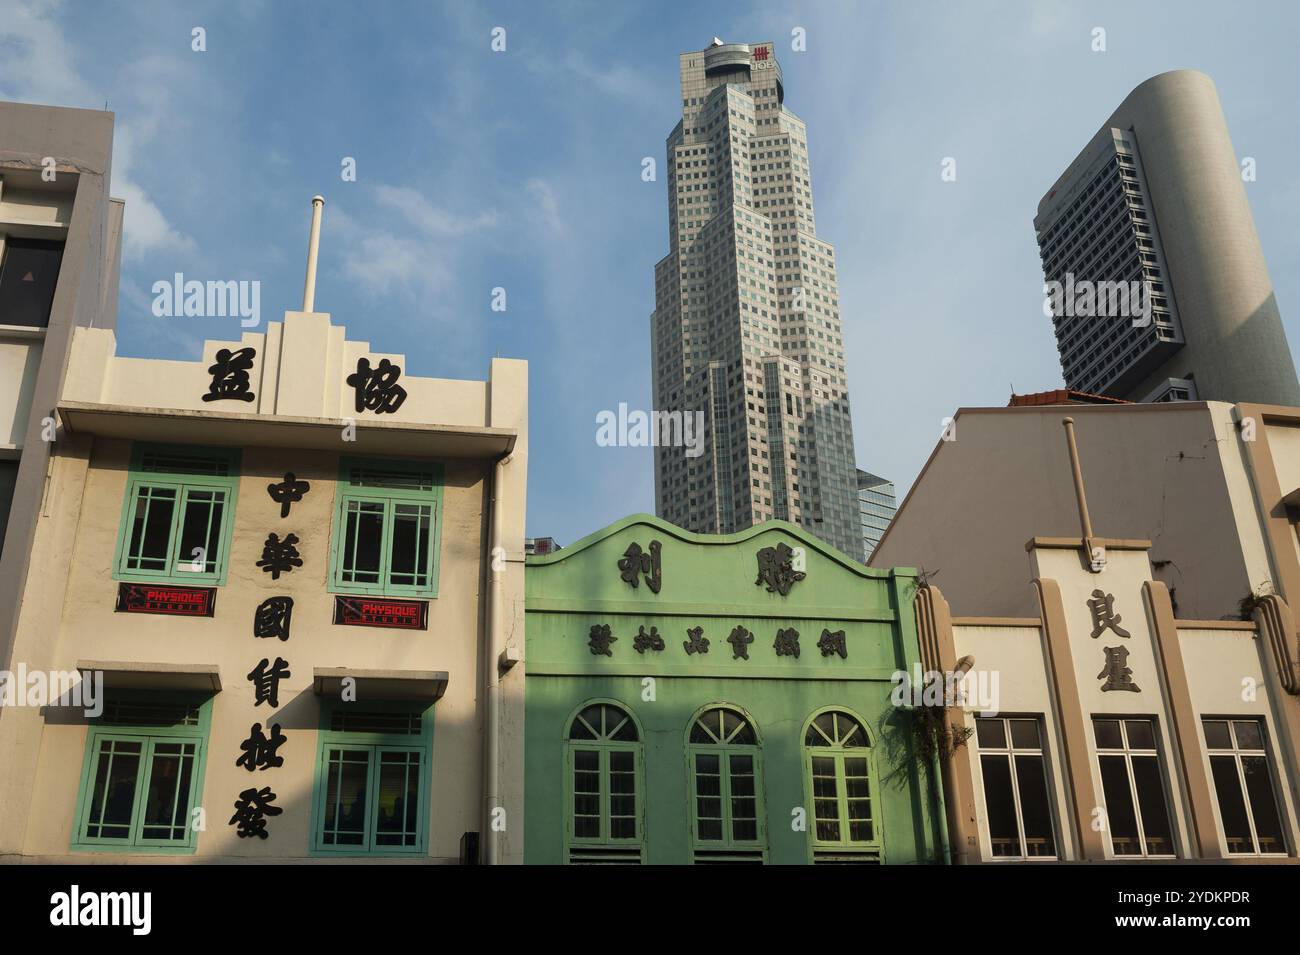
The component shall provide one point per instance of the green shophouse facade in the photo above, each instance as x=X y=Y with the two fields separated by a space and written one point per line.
x=737 y=708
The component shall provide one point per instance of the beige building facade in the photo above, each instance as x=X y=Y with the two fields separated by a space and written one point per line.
x=1145 y=699
x=1155 y=739
x=187 y=507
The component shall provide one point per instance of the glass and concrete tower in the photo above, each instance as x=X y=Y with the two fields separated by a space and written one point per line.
x=877 y=505
x=1157 y=198
x=746 y=327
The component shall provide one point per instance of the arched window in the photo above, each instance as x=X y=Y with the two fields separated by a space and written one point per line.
x=837 y=760
x=727 y=803
x=603 y=779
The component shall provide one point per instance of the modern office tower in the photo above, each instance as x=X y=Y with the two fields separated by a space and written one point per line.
x=877 y=504
x=60 y=251
x=746 y=327
x=1157 y=198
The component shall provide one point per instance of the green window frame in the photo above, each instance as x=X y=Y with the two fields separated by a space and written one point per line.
x=604 y=779
x=178 y=499
x=724 y=766
x=387 y=528
x=142 y=774
x=839 y=770
x=373 y=779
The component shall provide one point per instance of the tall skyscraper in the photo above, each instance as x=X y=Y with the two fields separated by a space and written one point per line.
x=877 y=505
x=1157 y=197
x=746 y=327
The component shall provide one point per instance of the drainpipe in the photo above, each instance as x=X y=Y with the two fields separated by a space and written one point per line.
x=494 y=642
x=954 y=831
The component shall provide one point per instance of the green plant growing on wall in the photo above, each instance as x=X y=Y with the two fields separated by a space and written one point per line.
x=934 y=735
x=1248 y=604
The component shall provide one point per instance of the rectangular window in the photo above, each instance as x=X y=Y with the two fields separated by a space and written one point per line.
x=372 y=783
x=606 y=804
x=142 y=776
x=8 y=481
x=1137 y=807
x=178 y=515
x=1016 y=800
x=28 y=277
x=387 y=529
x=1243 y=783
x=726 y=806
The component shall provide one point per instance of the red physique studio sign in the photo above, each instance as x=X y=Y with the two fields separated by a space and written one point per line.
x=172 y=601
x=381 y=612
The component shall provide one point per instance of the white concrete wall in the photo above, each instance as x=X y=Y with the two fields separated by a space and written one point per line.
x=1018 y=657
x=20 y=359
x=1226 y=678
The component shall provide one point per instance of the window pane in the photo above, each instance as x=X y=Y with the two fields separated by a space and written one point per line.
x=586 y=793
x=409 y=552
x=826 y=805
x=345 y=797
x=1141 y=734
x=398 y=799
x=1216 y=734
x=166 y=807
x=1232 y=805
x=200 y=529
x=744 y=802
x=1035 y=807
x=151 y=529
x=1249 y=734
x=1107 y=732
x=622 y=794
x=734 y=723
x=580 y=728
x=1000 y=805
x=857 y=797
x=1121 y=818
x=822 y=730
x=1151 y=801
x=1024 y=734
x=113 y=797
x=708 y=797
x=363 y=533
x=992 y=734
x=27 y=281
x=1263 y=803
x=619 y=726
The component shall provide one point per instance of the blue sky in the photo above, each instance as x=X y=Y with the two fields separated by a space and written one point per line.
x=522 y=170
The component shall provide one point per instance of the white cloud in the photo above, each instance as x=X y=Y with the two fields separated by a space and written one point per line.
x=37 y=65
x=547 y=204
x=412 y=205
x=144 y=226
x=387 y=263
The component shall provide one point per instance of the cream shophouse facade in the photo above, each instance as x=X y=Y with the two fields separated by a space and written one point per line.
x=1120 y=731
x=294 y=573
